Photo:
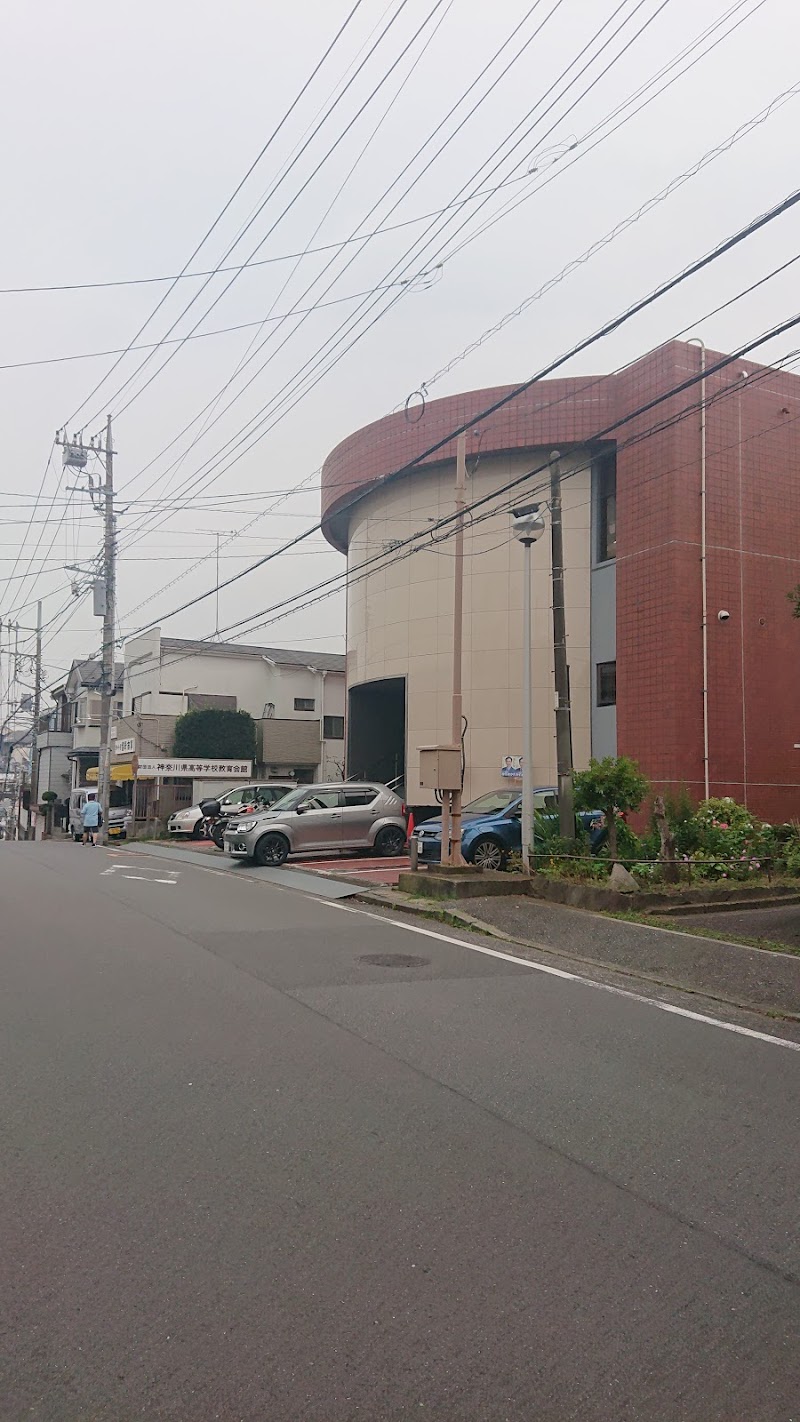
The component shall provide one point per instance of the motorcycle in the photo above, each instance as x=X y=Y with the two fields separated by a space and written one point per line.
x=213 y=821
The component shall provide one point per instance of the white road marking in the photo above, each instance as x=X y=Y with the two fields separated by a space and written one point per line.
x=575 y=978
x=122 y=868
x=535 y=967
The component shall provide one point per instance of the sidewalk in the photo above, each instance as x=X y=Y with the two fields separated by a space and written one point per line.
x=729 y=972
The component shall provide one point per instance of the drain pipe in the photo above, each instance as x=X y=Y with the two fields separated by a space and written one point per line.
x=318 y=671
x=695 y=340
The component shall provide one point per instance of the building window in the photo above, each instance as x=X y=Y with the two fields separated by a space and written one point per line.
x=606 y=683
x=333 y=728
x=304 y=703
x=606 y=484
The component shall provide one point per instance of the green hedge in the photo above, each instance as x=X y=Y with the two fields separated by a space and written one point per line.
x=215 y=733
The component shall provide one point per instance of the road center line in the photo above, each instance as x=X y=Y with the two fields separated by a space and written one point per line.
x=575 y=978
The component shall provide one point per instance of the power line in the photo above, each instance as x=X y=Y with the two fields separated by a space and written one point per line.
x=755 y=225
x=270 y=140
x=210 y=408
x=219 y=216
x=256 y=418
x=421 y=537
x=262 y=417
x=386 y=192
x=261 y=261
x=142 y=365
x=199 y=335
x=449 y=519
x=724 y=147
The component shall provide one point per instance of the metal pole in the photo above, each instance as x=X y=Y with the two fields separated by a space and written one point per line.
x=566 y=807
x=109 y=629
x=455 y=856
x=216 y=622
x=695 y=340
x=704 y=573
x=528 y=860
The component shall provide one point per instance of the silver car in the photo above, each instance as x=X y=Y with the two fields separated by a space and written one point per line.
x=335 y=816
x=191 y=822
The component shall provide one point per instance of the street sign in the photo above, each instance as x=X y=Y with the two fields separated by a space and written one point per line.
x=155 y=769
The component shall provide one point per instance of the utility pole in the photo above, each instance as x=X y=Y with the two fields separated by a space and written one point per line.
x=37 y=708
x=528 y=525
x=76 y=456
x=454 y=856
x=566 y=803
x=109 y=630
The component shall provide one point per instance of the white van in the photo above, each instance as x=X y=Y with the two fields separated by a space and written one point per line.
x=118 y=819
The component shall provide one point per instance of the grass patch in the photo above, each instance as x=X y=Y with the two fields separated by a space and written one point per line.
x=692 y=931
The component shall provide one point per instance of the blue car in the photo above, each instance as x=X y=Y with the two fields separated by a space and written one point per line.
x=491 y=828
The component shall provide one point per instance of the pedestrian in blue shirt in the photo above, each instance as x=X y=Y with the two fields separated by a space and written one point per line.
x=90 y=819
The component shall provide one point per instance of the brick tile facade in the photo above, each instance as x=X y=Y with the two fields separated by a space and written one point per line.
x=753 y=552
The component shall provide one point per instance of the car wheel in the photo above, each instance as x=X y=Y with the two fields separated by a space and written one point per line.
x=488 y=853
x=271 y=851
x=390 y=841
x=198 y=832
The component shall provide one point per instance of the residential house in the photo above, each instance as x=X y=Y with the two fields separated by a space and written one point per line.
x=76 y=732
x=296 y=699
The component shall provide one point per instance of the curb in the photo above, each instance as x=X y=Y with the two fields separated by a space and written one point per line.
x=430 y=909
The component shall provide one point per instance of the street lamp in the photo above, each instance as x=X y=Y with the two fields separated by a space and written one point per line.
x=528 y=525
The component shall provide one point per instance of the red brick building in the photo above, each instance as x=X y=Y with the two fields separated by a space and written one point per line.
x=644 y=576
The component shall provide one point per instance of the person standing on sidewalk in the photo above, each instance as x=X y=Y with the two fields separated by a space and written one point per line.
x=90 y=819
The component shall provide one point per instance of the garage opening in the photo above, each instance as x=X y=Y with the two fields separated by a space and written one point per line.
x=376 y=730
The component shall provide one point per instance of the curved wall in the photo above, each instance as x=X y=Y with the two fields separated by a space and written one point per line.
x=400 y=617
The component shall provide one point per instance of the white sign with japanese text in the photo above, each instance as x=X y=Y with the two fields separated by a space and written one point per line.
x=125 y=745
x=217 y=769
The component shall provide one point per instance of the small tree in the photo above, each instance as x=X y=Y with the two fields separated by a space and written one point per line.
x=614 y=783
x=794 y=598
x=49 y=798
x=215 y=733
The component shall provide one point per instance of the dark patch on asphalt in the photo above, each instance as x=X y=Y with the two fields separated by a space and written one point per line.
x=394 y=960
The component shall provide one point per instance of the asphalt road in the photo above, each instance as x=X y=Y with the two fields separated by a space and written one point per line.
x=272 y=1158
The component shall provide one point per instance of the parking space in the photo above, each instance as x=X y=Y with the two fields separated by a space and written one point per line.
x=361 y=869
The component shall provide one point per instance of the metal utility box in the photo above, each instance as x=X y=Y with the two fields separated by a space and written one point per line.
x=440 y=767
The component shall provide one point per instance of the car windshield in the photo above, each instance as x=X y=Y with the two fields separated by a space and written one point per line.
x=492 y=804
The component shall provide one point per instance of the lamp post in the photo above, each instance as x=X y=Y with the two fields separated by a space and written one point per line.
x=528 y=525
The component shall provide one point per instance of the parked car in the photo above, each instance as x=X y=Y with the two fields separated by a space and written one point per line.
x=491 y=827
x=350 y=815
x=119 y=816
x=191 y=822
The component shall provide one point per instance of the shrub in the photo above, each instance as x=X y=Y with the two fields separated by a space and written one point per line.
x=612 y=784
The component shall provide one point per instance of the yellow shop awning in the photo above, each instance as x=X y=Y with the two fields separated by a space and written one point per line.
x=123 y=771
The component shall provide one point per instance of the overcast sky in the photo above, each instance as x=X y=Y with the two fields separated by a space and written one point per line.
x=127 y=129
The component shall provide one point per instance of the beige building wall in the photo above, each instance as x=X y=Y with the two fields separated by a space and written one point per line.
x=400 y=616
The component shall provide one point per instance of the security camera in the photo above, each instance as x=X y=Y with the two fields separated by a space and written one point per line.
x=723 y=615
